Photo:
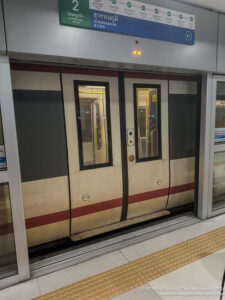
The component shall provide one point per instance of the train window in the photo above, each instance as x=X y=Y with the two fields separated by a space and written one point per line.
x=220 y=113
x=93 y=123
x=147 y=122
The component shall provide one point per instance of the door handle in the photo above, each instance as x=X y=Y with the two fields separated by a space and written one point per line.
x=131 y=158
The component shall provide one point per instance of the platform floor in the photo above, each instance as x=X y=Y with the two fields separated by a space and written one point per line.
x=192 y=268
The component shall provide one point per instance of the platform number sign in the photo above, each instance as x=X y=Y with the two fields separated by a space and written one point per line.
x=129 y=17
x=74 y=13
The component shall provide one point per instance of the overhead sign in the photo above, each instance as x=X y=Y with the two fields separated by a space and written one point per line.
x=129 y=17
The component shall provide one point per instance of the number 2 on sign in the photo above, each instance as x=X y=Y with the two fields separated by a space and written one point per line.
x=75 y=8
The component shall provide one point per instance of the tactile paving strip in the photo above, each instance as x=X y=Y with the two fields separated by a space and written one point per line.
x=129 y=276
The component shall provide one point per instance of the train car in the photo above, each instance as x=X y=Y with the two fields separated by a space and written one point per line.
x=102 y=149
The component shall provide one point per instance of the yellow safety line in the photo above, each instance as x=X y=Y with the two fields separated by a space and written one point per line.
x=129 y=276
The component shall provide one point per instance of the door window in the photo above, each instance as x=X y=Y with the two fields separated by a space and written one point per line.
x=220 y=113
x=147 y=122
x=93 y=122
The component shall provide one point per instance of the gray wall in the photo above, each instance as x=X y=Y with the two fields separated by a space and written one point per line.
x=2 y=34
x=221 y=45
x=33 y=27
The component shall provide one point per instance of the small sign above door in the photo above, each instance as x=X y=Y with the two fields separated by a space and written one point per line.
x=129 y=17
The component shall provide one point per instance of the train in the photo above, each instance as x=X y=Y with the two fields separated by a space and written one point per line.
x=101 y=149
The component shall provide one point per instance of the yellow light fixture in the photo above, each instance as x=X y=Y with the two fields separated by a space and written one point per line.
x=139 y=53
x=136 y=52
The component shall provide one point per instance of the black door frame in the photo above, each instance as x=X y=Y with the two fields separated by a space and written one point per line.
x=123 y=137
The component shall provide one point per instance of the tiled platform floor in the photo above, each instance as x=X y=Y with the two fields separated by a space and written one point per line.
x=199 y=279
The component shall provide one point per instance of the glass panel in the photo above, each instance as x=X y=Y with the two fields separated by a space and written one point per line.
x=8 y=264
x=147 y=123
x=219 y=181
x=93 y=123
x=220 y=113
x=2 y=148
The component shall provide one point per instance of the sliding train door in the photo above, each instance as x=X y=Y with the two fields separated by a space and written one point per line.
x=183 y=132
x=91 y=105
x=42 y=149
x=147 y=144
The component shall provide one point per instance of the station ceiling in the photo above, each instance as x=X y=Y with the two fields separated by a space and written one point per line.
x=218 y=5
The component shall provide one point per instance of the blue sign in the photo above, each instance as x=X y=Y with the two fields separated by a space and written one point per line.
x=129 y=17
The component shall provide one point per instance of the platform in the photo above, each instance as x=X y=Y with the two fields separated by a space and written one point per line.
x=188 y=261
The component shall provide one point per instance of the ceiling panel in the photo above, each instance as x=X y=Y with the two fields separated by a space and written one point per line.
x=218 y=5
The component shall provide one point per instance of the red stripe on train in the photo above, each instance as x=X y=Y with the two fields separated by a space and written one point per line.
x=47 y=219
x=159 y=76
x=6 y=228
x=182 y=188
x=94 y=208
x=148 y=195
x=94 y=72
x=34 y=68
x=66 y=70
x=161 y=193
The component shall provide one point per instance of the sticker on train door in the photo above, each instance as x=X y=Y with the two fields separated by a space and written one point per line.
x=2 y=157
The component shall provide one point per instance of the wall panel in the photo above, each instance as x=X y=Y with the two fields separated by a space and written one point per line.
x=37 y=31
x=2 y=33
x=221 y=45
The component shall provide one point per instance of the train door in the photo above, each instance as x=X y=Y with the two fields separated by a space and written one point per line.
x=42 y=149
x=147 y=144
x=183 y=135
x=91 y=105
